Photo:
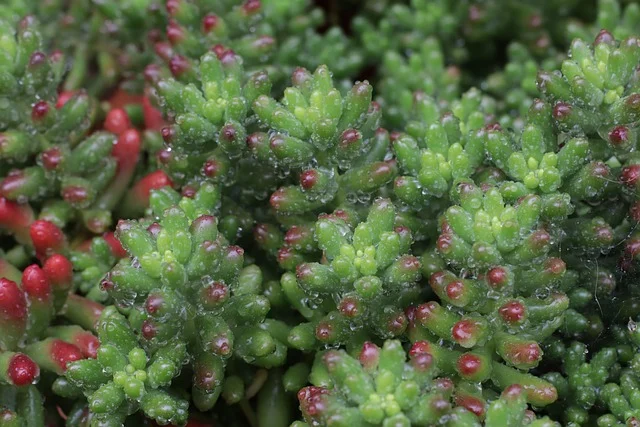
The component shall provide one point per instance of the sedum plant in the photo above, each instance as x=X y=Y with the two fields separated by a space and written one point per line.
x=252 y=212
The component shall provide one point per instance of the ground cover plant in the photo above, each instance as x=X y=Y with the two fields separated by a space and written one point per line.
x=274 y=213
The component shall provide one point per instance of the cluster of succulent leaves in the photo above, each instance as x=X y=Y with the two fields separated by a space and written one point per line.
x=319 y=213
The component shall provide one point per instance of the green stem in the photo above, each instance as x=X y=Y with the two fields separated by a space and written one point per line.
x=78 y=69
x=249 y=413
x=258 y=381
